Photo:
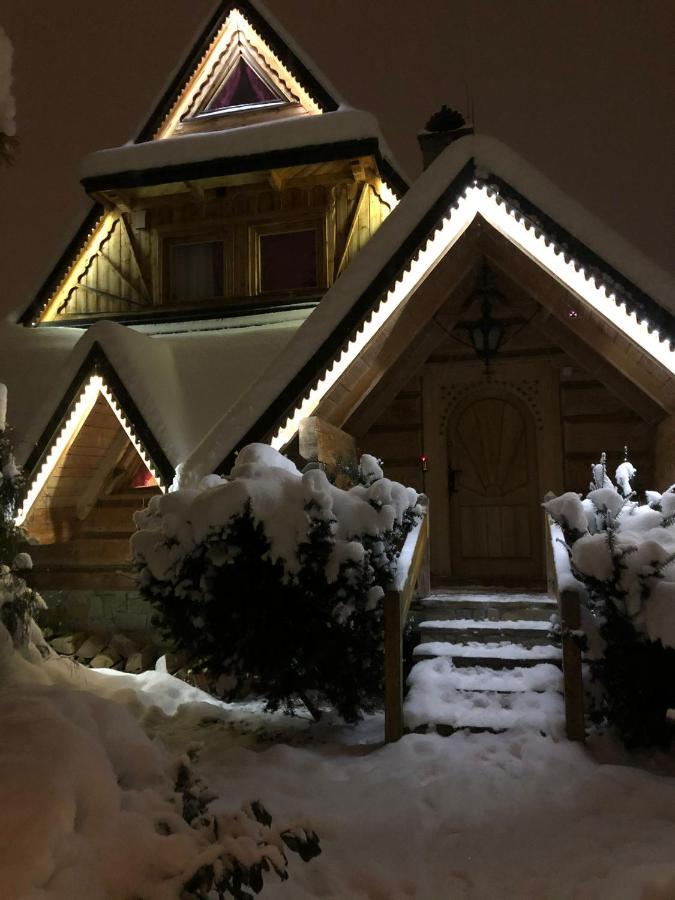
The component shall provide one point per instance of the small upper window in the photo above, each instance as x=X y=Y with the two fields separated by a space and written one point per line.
x=242 y=87
x=288 y=261
x=196 y=271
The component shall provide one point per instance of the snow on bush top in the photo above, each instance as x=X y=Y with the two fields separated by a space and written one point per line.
x=627 y=547
x=7 y=105
x=173 y=524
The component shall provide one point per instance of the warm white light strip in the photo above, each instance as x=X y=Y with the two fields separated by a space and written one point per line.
x=579 y=282
x=71 y=428
x=138 y=447
x=450 y=231
x=235 y=22
x=476 y=201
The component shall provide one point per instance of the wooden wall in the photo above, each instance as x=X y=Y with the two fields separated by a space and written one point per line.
x=592 y=418
x=53 y=517
x=125 y=270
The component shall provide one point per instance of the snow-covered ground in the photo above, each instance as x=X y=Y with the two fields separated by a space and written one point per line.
x=477 y=816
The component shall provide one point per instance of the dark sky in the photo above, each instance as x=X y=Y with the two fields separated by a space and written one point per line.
x=582 y=88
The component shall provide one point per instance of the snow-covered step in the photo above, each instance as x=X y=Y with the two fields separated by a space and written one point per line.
x=440 y=674
x=492 y=654
x=485 y=710
x=525 y=632
x=481 y=605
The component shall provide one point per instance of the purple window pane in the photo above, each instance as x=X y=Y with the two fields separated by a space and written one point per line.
x=242 y=88
x=288 y=261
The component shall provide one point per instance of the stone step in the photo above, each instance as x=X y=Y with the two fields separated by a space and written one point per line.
x=449 y=709
x=526 y=633
x=439 y=673
x=81 y=552
x=479 y=605
x=493 y=655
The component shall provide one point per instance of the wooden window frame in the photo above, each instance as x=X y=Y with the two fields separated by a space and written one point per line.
x=225 y=237
x=289 y=226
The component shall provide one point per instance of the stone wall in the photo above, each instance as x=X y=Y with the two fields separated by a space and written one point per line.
x=97 y=612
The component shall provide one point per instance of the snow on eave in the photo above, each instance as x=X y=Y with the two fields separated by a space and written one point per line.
x=247 y=141
x=144 y=370
x=493 y=157
x=428 y=200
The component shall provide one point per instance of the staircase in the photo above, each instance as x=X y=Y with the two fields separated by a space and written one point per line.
x=97 y=558
x=485 y=662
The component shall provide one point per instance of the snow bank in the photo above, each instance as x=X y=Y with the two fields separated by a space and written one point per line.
x=87 y=789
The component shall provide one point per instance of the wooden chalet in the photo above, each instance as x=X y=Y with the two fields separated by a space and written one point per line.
x=255 y=259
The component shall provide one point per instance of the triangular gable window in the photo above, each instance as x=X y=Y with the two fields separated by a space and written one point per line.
x=240 y=83
x=243 y=87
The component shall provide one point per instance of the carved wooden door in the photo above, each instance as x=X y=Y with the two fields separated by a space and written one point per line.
x=494 y=504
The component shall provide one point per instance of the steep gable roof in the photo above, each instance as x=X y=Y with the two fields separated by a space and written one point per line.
x=204 y=52
x=477 y=177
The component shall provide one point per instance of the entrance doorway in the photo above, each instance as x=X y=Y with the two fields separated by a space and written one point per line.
x=495 y=513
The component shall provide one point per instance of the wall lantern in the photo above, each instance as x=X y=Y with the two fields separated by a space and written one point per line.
x=487 y=333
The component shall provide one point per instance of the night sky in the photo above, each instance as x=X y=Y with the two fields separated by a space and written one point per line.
x=582 y=88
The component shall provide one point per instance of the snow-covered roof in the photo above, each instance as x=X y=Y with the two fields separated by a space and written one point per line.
x=315 y=346
x=180 y=383
x=241 y=147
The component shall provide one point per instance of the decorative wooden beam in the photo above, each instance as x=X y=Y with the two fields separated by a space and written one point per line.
x=123 y=277
x=136 y=258
x=358 y=170
x=196 y=190
x=276 y=179
x=341 y=257
x=106 y=466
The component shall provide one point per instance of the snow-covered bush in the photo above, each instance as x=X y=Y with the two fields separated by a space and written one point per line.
x=93 y=807
x=18 y=602
x=272 y=580
x=624 y=553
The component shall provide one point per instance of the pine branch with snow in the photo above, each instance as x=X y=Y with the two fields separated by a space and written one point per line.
x=272 y=580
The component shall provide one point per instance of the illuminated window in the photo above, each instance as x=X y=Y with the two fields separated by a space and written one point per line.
x=288 y=261
x=243 y=87
x=196 y=271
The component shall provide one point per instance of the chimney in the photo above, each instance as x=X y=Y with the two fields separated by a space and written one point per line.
x=444 y=128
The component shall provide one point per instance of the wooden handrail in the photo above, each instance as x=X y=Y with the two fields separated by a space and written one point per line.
x=413 y=573
x=569 y=593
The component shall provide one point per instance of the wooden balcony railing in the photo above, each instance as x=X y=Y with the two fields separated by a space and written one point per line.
x=412 y=576
x=570 y=594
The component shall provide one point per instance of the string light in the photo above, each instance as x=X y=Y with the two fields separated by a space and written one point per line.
x=92 y=390
x=477 y=200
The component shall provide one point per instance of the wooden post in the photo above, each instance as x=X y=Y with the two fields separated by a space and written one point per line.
x=570 y=620
x=393 y=668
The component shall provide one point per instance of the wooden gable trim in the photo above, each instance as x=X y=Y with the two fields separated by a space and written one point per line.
x=307 y=377
x=636 y=300
x=354 y=318
x=97 y=363
x=235 y=165
x=295 y=65
x=35 y=309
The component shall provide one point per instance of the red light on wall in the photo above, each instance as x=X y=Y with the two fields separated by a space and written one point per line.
x=423 y=460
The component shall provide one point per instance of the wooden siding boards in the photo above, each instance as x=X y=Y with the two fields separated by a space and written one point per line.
x=96 y=362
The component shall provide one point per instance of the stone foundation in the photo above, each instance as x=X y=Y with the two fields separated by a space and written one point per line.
x=97 y=612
